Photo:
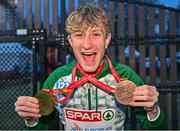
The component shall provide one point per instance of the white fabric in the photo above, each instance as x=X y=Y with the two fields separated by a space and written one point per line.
x=158 y=110
x=89 y=119
x=27 y=124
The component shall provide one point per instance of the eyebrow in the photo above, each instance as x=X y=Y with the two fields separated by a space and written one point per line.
x=93 y=30
x=97 y=30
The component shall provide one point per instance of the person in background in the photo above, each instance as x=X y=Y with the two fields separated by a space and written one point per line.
x=88 y=103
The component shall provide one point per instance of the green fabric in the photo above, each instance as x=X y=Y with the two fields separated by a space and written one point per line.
x=124 y=72
x=58 y=73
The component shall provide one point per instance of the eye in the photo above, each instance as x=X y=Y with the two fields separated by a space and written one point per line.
x=79 y=34
x=97 y=34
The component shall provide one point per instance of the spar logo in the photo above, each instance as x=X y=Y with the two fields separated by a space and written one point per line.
x=82 y=115
x=108 y=115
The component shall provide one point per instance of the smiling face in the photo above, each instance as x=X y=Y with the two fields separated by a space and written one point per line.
x=89 y=47
x=88 y=29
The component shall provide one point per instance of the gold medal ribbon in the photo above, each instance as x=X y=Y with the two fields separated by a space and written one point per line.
x=87 y=77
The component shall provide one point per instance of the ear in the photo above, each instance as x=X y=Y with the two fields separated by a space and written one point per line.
x=107 y=40
x=70 y=40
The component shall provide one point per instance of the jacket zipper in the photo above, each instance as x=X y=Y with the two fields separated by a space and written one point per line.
x=89 y=95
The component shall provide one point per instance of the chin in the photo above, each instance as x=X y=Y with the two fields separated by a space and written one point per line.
x=89 y=69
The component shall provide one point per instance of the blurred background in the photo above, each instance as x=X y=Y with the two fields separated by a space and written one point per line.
x=145 y=36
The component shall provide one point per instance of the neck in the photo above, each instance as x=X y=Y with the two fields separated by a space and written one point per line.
x=99 y=69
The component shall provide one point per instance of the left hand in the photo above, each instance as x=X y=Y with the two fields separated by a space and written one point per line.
x=145 y=96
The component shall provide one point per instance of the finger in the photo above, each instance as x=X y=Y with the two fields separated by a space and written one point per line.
x=144 y=87
x=144 y=98
x=28 y=104
x=143 y=104
x=143 y=92
x=27 y=101
x=26 y=109
x=28 y=114
x=153 y=98
x=146 y=90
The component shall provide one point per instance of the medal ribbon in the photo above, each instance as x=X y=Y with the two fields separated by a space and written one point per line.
x=87 y=77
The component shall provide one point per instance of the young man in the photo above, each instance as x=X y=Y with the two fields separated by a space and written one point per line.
x=89 y=103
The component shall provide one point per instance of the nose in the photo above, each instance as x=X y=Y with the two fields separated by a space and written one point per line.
x=87 y=44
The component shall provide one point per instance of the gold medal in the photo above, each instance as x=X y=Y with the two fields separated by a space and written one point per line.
x=46 y=103
x=123 y=92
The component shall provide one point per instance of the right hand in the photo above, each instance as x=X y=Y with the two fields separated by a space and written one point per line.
x=27 y=107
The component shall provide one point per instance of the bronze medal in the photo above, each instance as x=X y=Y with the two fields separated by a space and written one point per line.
x=46 y=103
x=123 y=92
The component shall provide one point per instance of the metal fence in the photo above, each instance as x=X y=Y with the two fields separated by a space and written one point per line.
x=18 y=72
x=15 y=80
x=156 y=60
x=148 y=40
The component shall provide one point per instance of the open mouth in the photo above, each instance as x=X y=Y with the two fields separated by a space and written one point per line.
x=89 y=56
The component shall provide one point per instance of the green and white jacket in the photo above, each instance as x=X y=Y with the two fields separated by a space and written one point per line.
x=90 y=108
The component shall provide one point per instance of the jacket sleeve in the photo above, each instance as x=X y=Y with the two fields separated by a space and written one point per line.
x=141 y=114
x=45 y=122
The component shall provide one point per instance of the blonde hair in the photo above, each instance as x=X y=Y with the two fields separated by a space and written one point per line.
x=87 y=16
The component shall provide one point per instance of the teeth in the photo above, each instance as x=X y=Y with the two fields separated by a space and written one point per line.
x=88 y=53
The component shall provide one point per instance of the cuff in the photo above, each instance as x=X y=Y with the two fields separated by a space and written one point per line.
x=27 y=123
x=158 y=110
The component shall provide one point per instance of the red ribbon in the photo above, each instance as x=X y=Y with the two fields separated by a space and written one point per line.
x=87 y=77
